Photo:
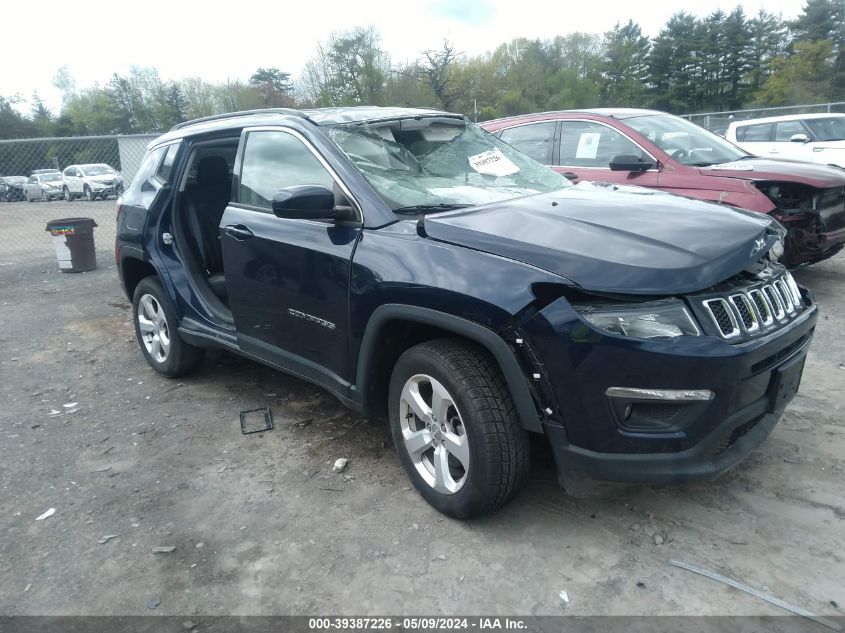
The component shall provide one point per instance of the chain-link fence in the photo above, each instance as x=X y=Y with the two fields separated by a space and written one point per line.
x=718 y=122
x=53 y=178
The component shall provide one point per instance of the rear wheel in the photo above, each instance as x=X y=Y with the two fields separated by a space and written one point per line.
x=89 y=195
x=456 y=429
x=156 y=329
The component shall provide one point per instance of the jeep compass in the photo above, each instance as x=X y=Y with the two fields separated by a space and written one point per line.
x=421 y=269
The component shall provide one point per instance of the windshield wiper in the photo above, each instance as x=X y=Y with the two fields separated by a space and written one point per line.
x=425 y=208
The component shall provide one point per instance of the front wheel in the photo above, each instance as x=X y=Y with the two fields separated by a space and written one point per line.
x=156 y=329
x=67 y=194
x=89 y=195
x=456 y=429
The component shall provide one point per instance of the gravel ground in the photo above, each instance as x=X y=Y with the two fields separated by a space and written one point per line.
x=260 y=524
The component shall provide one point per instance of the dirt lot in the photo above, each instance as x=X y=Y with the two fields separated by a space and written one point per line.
x=261 y=525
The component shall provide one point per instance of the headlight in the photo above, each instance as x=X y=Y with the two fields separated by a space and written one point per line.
x=646 y=320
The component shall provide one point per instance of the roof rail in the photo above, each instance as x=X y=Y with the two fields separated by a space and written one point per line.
x=230 y=115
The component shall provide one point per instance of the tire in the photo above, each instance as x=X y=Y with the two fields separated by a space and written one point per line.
x=89 y=195
x=26 y=196
x=463 y=383
x=67 y=194
x=156 y=330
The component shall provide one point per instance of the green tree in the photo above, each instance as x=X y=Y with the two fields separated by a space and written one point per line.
x=803 y=77
x=767 y=40
x=274 y=86
x=674 y=64
x=436 y=70
x=624 y=69
x=41 y=116
x=350 y=69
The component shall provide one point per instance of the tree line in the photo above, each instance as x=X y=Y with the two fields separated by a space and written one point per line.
x=722 y=61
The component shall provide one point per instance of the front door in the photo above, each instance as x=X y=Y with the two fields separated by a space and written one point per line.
x=287 y=280
x=587 y=147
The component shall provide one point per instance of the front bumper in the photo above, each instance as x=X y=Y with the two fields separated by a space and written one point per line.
x=101 y=189
x=753 y=382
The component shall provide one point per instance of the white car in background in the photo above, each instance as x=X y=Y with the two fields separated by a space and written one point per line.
x=816 y=138
x=93 y=181
x=43 y=186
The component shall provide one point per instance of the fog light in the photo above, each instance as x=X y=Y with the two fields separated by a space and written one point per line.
x=657 y=410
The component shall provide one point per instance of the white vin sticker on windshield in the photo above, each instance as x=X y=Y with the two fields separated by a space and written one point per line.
x=733 y=166
x=492 y=163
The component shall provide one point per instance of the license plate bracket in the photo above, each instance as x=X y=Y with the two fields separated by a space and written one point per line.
x=785 y=382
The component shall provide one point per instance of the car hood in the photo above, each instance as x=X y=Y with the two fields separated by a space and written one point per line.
x=779 y=169
x=615 y=239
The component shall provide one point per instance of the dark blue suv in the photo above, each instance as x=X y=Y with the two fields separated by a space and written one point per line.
x=419 y=268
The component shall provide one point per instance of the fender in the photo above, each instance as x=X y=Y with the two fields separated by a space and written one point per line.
x=487 y=338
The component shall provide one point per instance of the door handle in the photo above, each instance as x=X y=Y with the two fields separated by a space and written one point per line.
x=238 y=232
x=570 y=175
x=774 y=151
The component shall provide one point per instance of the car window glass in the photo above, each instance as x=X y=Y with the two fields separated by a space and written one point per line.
x=588 y=144
x=787 y=129
x=755 y=133
x=274 y=160
x=828 y=129
x=143 y=179
x=32 y=179
x=534 y=140
x=166 y=166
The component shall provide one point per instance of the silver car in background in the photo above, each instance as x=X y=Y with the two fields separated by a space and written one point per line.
x=92 y=181
x=45 y=186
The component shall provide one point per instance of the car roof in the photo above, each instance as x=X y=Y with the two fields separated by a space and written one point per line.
x=787 y=117
x=274 y=116
x=615 y=113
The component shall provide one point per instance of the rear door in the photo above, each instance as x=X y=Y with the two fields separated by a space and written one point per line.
x=287 y=279
x=586 y=148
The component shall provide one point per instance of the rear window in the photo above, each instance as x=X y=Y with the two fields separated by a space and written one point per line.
x=144 y=184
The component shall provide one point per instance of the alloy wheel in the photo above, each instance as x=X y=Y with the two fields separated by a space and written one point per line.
x=155 y=333
x=434 y=434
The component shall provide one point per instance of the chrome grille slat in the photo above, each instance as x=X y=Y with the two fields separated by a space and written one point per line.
x=755 y=309
x=747 y=315
x=775 y=301
x=763 y=309
x=786 y=295
x=720 y=311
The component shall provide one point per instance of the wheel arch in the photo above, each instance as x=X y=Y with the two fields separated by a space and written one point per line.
x=132 y=270
x=393 y=328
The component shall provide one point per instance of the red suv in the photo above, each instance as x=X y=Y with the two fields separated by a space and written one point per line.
x=661 y=151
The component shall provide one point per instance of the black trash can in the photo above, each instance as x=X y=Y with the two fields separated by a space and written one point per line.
x=73 y=239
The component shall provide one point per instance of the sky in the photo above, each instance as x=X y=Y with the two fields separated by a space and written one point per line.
x=219 y=40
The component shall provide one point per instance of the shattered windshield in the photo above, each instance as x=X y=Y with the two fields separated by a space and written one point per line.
x=437 y=163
